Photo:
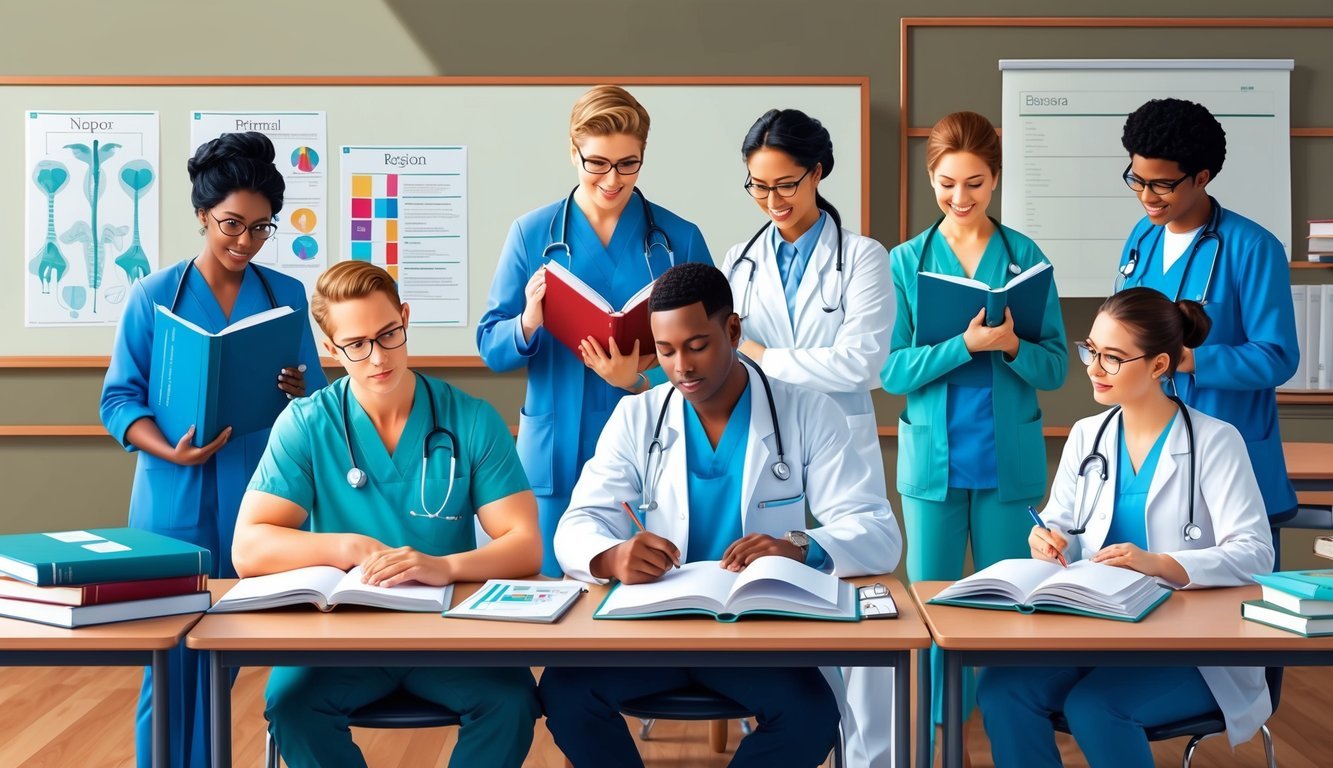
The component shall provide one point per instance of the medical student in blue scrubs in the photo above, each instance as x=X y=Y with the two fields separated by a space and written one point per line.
x=1189 y=247
x=601 y=231
x=1184 y=510
x=719 y=488
x=389 y=470
x=971 y=455
x=179 y=490
x=816 y=308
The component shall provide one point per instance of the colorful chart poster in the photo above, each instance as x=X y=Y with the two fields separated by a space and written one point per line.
x=91 y=219
x=405 y=209
x=300 y=247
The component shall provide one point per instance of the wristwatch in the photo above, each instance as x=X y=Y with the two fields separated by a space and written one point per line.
x=802 y=541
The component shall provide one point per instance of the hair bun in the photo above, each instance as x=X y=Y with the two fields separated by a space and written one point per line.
x=1195 y=322
x=247 y=145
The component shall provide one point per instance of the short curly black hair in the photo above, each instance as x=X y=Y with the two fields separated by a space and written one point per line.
x=1177 y=130
x=690 y=283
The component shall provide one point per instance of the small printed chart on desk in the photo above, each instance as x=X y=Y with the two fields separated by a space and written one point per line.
x=405 y=209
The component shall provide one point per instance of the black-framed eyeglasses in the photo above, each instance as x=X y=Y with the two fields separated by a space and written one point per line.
x=602 y=166
x=1110 y=363
x=235 y=227
x=785 y=189
x=361 y=349
x=1157 y=186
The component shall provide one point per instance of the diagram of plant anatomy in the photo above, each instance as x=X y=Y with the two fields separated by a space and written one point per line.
x=91 y=224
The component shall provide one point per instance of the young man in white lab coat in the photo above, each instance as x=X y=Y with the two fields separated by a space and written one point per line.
x=718 y=489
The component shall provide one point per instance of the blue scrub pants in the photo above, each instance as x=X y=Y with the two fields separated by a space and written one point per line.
x=1107 y=709
x=938 y=533
x=798 y=715
x=549 y=511
x=308 y=707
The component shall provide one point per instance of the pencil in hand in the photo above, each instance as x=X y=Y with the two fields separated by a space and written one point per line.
x=639 y=524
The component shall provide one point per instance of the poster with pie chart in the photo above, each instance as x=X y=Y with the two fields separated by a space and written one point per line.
x=305 y=159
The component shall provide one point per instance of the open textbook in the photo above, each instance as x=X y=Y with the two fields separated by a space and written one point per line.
x=1084 y=588
x=573 y=311
x=773 y=585
x=539 y=602
x=326 y=587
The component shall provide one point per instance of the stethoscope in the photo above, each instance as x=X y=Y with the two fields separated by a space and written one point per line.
x=357 y=477
x=1014 y=269
x=652 y=474
x=185 y=275
x=745 y=258
x=1209 y=232
x=1190 y=531
x=558 y=243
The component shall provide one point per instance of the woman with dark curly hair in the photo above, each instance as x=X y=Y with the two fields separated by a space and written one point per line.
x=1189 y=247
x=188 y=492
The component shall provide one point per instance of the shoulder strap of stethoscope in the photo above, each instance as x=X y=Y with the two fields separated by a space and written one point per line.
x=753 y=239
x=185 y=275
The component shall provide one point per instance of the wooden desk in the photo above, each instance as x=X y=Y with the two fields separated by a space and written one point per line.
x=366 y=637
x=1309 y=465
x=1195 y=628
x=124 y=644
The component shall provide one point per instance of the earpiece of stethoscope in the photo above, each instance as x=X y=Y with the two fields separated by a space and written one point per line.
x=356 y=477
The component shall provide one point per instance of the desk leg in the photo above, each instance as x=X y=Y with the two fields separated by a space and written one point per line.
x=902 y=712
x=924 y=727
x=219 y=694
x=953 y=711
x=161 y=703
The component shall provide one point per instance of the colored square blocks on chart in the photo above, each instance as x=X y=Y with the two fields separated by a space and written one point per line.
x=361 y=230
x=363 y=186
x=362 y=207
x=385 y=208
x=362 y=251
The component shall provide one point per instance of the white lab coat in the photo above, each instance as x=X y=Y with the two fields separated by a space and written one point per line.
x=1228 y=507
x=839 y=353
x=857 y=526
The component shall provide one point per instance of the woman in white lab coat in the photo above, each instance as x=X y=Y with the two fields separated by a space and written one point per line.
x=1180 y=504
x=816 y=306
x=815 y=300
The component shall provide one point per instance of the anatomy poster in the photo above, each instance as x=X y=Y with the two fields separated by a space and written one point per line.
x=91 y=224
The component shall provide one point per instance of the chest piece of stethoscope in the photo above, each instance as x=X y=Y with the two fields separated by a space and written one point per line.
x=1193 y=532
x=356 y=477
x=781 y=471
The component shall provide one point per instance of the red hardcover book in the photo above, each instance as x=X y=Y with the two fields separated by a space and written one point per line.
x=573 y=311
x=105 y=592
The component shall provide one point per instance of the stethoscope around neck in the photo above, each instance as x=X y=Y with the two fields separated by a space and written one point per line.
x=357 y=477
x=1097 y=460
x=652 y=473
x=653 y=237
x=1131 y=265
x=748 y=260
x=1014 y=269
x=185 y=276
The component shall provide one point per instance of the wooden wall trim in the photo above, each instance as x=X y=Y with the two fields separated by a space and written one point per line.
x=101 y=362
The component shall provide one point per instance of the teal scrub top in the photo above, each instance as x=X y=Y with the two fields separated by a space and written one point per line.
x=306 y=462
x=714 y=478
x=793 y=258
x=1129 y=522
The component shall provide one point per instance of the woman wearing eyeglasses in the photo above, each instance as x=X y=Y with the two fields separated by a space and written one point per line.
x=971 y=455
x=179 y=490
x=614 y=240
x=1166 y=491
x=1188 y=247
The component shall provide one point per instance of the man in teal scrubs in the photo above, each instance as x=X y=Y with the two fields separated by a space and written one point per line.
x=389 y=468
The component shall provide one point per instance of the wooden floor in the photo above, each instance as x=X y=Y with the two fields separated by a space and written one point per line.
x=60 y=717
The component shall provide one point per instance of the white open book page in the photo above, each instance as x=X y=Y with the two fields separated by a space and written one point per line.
x=1024 y=276
x=326 y=586
x=769 y=583
x=593 y=297
x=1084 y=584
x=243 y=323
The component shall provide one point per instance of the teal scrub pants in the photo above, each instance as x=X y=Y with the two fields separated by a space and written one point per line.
x=1107 y=709
x=308 y=707
x=938 y=533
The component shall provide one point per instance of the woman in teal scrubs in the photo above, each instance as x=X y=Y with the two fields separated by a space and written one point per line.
x=1179 y=503
x=179 y=490
x=390 y=470
x=608 y=235
x=971 y=456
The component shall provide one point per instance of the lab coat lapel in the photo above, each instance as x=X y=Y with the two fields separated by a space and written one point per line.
x=758 y=455
x=770 y=302
x=673 y=511
x=822 y=266
x=1100 y=521
x=1174 y=457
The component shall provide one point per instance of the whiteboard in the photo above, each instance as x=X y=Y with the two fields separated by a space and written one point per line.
x=517 y=139
x=1063 y=161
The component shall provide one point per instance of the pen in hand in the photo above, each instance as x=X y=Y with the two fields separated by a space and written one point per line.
x=1037 y=519
x=637 y=524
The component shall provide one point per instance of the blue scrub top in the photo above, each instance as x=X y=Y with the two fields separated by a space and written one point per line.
x=306 y=463
x=195 y=503
x=793 y=258
x=714 y=481
x=1129 y=521
x=1250 y=350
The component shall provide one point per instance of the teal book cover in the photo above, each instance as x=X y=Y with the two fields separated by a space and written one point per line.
x=63 y=558
x=1310 y=584
x=227 y=379
x=946 y=305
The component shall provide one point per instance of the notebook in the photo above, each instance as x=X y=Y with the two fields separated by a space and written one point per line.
x=1084 y=588
x=539 y=602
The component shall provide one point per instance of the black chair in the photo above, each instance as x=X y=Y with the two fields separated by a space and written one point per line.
x=399 y=709
x=1203 y=726
x=698 y=703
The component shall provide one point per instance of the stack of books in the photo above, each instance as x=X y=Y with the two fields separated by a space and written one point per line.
x=1319 y=245
x=79 y=578
x=1297 y=601
x=1312 y=306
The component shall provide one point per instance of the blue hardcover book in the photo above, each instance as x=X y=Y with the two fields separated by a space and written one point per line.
x=227 y=379
x=96 y=555
x=1309 y=584
x=946 y=305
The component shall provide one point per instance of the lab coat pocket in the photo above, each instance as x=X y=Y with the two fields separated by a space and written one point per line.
x=1029 y=452
x=536 y=450
x=917 y=467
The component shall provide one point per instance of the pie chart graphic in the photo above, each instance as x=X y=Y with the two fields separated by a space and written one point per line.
x=305 y=247
x=303 y=220
x=305 y=159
